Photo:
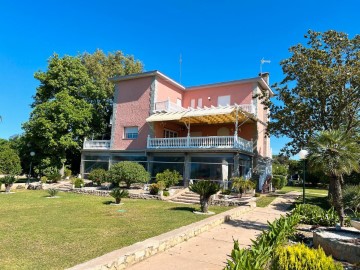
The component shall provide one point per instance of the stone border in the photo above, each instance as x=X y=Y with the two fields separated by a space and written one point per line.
x=124 y=257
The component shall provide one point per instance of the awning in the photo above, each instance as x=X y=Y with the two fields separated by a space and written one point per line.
x=209 y=115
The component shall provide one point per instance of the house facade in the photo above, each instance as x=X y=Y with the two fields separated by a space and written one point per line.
x=213 y=131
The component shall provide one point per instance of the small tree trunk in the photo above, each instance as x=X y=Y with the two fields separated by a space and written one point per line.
x=8 y=188
x=331 y=190
x=204 y=204
x=117 y=200
x=337 y=198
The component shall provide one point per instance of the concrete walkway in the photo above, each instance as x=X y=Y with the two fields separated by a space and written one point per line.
x=210 y=249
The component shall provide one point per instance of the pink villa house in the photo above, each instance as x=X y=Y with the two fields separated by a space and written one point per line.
x=212 y=131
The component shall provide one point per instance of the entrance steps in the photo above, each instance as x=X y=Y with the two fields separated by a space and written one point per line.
x=65 y=187
x=188 y=197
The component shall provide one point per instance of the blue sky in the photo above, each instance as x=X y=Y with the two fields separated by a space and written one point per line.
x=219 y=40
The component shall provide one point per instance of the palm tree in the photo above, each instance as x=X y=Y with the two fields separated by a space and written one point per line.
x=335 y=153
x=118 y=194
x=205 y=189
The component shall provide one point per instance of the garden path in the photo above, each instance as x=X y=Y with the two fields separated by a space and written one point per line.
x=209 y=250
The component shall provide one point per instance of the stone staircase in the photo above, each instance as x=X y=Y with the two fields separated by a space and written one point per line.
x=187 y=197
x=65 y=187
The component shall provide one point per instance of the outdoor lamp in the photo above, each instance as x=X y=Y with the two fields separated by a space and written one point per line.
x=303 y=155
x=32 y=153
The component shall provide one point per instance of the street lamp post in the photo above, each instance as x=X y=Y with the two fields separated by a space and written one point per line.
x=303 y=155
x=32 y=153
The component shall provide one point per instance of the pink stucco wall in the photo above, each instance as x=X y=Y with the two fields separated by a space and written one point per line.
x=239 y=93
x=132 y=109
x=166 y=90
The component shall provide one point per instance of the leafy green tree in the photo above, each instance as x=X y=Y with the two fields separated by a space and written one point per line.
x=336 y=154
x=9 y=161
x=320 y=91
x=205 y=189
x=73 y=101
x=128 y=172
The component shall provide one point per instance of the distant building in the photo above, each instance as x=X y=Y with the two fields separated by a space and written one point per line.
x=212 y=131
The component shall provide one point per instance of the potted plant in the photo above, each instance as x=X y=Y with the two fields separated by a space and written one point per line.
x=161 y=186
x=118 y=194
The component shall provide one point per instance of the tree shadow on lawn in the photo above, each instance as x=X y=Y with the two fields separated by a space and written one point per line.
x=108 y=202
x=183 y=208
x=249 y=224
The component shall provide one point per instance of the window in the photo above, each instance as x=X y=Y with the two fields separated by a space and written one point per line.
x=170 y=134
x=223 y=100
x=178 y=102
x=200 y=102
x=131 y=132
x=192 y=103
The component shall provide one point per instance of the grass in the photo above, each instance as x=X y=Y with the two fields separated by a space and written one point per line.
x=264 y=201
x=41 y=233
x=312 y=191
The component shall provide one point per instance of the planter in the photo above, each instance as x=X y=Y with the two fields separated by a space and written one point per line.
x=355 y=224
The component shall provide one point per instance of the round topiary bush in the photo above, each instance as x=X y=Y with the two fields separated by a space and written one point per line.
x=98 y=176
x=128 y=172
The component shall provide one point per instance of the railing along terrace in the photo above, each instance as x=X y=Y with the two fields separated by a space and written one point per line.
x=97 y=144
x=167 y=106
x=200 y=142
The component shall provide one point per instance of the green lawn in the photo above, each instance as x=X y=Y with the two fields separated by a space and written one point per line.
x=42 y=233
x=312 y=191
x=264 y=201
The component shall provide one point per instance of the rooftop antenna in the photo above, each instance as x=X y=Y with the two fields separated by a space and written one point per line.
x=180 y=62
x=262 y=61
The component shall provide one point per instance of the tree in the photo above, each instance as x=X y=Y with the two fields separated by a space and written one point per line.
x=335 y=153
x=98 y=176
x=320 y=90
x=9 y=161
x=128 y=172
x=73 y=101
x=205 y=189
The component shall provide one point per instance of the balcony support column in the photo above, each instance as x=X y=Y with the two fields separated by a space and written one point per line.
x=187 y=169
x=236 y=172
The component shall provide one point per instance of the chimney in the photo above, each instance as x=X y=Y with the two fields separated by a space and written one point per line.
x=265 y=76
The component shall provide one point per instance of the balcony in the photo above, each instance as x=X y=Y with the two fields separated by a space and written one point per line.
x=97 y=144
x=211 y=142
x=167 y=106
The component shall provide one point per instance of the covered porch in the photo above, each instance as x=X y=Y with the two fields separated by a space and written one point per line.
x=224 y=127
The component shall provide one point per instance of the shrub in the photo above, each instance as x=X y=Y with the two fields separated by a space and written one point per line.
x=67 y=172
x=128 y=172
x=77 y=182
x=302 y=257
x=98 y=176
x=315 y=215
x=279 y=181
x=351 y=198
x=43 y=179
x=118 y=194
x=161 y=185
x=166 y=193
x=154 y=189
x=226 y=191
x=55 y=177
x=170 y=178
x=52 y=192
x=205 y=189
x=259 y=255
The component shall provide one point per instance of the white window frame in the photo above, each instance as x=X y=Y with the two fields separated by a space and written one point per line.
x=131 y=133
x=192 y=103
x=200 y=102
x=224 y=100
